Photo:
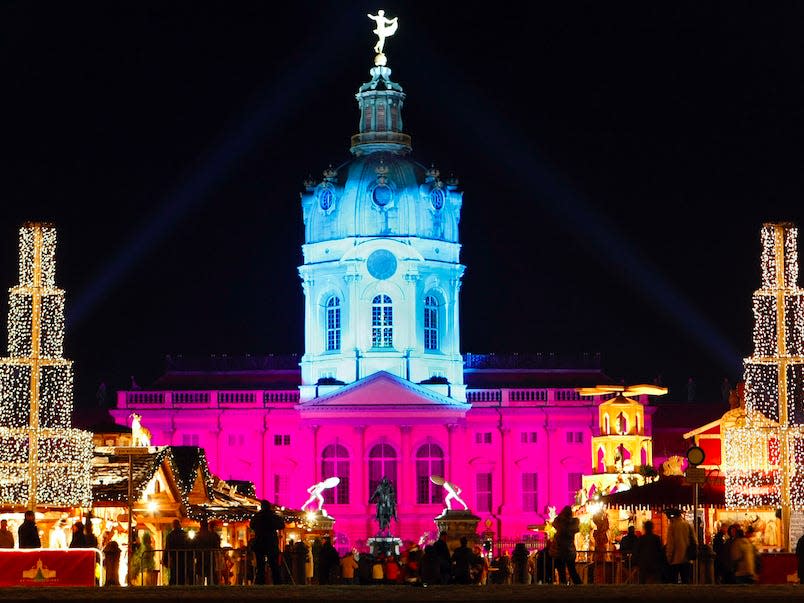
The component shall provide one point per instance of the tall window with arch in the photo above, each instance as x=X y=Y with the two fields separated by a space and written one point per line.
x=382 y=322
x=430 y=323
x=381 y=463
x=429 y=461
x=333 y=334
x=335 y=463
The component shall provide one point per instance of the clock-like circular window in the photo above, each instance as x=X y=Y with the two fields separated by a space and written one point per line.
x=437 y=198
x=381 y=264
x=325 y=198
x=381 y=195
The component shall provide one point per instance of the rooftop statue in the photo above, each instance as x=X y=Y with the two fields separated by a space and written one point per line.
x=453 y=492
x=385 y=27
x=140 y=435
x=315 y=491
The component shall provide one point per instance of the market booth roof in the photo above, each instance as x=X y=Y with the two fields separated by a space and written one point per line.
x=668 y=492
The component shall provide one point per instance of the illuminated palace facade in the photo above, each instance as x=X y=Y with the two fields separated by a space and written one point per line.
x=382 y=388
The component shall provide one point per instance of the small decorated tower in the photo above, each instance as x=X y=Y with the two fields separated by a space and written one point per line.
x=622 y=448
x=764 y=456
x=43 y=461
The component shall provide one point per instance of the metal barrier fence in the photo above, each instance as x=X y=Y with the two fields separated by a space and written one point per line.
x=608 y=568
x=160 y=567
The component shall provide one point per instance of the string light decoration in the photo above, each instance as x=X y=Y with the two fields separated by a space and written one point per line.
x=764 y=451
x=219 y=502
x=43 y=461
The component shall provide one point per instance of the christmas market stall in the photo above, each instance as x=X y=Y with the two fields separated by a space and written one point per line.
x=158 y=485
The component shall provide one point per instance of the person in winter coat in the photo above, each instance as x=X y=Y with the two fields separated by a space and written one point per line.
x=441 y=549
x=28 y=533
x=328 y=563
x=679 y=537
x=744 y=557
x=462 y=560
x=348 y=565
x=265 y=524
x=6 y=537
x=519 y=559
x=563 y=546
x=175 y=556
x=648 y=555
x=800 y=557
x=79 y=539
x=430 y=566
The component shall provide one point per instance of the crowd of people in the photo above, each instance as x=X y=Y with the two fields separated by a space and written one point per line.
x=644 y=558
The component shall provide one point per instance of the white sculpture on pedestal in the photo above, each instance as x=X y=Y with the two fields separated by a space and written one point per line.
x=315 y=491
x=453 y=492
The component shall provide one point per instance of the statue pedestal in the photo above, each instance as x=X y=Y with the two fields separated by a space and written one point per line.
x=458 y=523
x=384 y=544
x=319 y=522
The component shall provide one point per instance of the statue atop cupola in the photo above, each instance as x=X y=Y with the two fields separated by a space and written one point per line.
x=385 y=27
x=380 y=101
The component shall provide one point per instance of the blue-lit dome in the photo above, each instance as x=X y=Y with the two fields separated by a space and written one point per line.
x=381 y=191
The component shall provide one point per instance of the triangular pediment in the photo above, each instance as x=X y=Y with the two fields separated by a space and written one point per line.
x=383 y=392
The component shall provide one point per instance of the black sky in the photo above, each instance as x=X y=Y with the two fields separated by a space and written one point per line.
x=618 y=161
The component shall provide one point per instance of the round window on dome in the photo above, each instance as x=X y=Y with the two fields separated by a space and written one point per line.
x=325 y=198
x=381 y=264
x=381 y=195
x=437 y=198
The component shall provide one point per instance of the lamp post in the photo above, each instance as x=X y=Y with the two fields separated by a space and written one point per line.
x=695 y=476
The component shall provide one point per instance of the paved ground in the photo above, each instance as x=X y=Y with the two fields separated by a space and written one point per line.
x=459 y=594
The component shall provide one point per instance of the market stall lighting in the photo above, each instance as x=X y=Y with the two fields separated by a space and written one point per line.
x=42 y=459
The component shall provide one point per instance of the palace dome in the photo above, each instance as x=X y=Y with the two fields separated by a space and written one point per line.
x=381 y=191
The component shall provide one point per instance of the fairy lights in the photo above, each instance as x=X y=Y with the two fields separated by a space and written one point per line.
x=43 y=461
x=764 y=451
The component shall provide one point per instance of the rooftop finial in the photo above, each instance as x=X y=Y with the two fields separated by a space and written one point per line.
x=385 y=27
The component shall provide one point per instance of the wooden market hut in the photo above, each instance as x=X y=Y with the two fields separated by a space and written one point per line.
x=671 y=492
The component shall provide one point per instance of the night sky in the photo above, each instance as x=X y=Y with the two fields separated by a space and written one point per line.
x=618 y=161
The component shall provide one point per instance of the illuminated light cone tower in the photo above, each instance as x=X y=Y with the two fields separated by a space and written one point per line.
x=43 y=461
x=764 y=453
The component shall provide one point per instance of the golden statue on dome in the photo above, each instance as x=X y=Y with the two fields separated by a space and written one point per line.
x=385 y=27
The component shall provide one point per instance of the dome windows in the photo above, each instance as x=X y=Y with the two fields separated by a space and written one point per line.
x=382 y=195
x=325 y=199
x=437 y=198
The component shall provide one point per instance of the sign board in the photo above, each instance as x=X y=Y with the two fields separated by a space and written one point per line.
x=131 y=450
x=695 y=475
x=48 y=567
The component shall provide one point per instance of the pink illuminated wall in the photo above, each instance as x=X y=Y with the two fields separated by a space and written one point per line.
x=512 y=458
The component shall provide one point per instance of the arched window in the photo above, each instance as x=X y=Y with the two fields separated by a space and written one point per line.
x=382 y=322
x=429 y=461
x=335 y=463
x=430 y=323
x=381 y=463
x=333 y=324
